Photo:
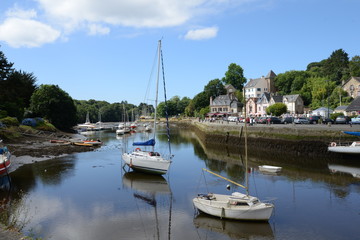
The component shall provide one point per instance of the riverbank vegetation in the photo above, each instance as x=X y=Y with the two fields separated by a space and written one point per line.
x=20 y=96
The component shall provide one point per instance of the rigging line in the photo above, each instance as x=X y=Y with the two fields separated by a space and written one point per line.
x=150 y=77
x=166 y=106
x=207 y=190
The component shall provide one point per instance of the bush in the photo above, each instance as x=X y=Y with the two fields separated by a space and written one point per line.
x=10 y=121
x=45 y=126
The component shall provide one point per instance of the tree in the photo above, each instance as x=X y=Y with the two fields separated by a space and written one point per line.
x=235 y=76
x=336 y=67
x=55 y=105
x=291 y=81
x=15 y=93
x=214 y=88
x=5 y=67
x=354 y=66
x=276 y=109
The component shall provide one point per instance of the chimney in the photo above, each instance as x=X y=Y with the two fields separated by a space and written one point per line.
x=211 y=101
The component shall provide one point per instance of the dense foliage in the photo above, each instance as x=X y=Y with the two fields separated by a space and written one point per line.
x=276 y=109
x=55 y=105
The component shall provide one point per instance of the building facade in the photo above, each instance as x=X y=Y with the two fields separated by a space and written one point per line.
x=352 y=87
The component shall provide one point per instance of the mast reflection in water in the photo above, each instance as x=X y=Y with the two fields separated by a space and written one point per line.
x=90 y=196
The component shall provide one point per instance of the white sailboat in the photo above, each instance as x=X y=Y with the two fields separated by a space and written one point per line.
x=149 y=161
x=236 y=206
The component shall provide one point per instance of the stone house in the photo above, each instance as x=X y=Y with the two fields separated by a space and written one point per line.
x=354 y=107
x=224 y=105
x=352 y=87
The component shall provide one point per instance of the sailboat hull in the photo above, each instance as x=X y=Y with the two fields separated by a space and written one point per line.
x=221 y=206
x=143 y=161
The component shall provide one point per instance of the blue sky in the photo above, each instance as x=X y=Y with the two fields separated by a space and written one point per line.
x=104 y=50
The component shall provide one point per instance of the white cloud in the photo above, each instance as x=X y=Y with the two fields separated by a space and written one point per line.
x=97 y=29
x=134 y=13
x=18 y=32
x=200 y=34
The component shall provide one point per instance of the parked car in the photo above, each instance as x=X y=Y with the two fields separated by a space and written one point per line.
x=327 y=120
x=232 y=119
x=262 y=120
x=287 y=120
x=314 y=119
x=301 y=120
x=273 y=120
x=355 y=120
x=342 y=120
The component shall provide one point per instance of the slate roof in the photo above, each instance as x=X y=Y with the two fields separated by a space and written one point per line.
x=252 y=83
x=354 y=106
x=322 y=109
x=278 y=99
x=222 y=100
x=264 y=95
x=341 y=108
x=291 y=98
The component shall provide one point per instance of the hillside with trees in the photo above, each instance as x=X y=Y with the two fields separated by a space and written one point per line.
x=20 y=96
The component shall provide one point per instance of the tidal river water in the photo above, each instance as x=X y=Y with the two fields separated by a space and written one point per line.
x=91 y=196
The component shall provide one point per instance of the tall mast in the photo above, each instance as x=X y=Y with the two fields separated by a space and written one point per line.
x=157 y=87
x=246 y=153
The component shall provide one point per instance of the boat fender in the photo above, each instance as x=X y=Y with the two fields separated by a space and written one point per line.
x=137 y=149
x=333 y=144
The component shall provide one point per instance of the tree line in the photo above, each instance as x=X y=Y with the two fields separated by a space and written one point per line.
x=20 y=96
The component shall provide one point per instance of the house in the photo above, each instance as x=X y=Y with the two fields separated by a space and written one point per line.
x=256 y=87
x=352 y=87
x=224 y=105
x=323 y=111
x=294 y=103
x=354 y=107
x=262 y=103
x=251 y=106
x=341 y=109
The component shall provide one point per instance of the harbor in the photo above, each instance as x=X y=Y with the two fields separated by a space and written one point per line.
x=88 y=195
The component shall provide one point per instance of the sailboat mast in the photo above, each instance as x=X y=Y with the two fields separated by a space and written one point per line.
x=246 y=152
x=157 y=87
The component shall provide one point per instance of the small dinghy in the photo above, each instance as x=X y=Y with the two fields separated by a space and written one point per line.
x=269 y=169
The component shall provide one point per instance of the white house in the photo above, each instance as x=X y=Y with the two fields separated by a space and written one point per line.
x=256 y=87
x=323 y=111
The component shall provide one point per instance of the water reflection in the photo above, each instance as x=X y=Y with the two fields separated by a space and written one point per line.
x=88 y=196
x=232 y=229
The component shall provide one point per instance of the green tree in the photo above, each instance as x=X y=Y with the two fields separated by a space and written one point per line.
x=276 y=109
x=15 y=93
x=214 y=88
x=55 y=105
x=291 y=81
x=336 y=67
x=6 y=68
x=235 y=76
x=354 y=66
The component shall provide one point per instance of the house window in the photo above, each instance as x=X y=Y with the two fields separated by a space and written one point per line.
x=225 y=109
x=219 y=109
x=265 y=89
x=259 y=89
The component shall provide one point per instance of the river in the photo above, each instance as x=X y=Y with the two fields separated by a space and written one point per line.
x=91 y=196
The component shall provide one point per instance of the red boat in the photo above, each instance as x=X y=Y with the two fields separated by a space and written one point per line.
x=4 y=160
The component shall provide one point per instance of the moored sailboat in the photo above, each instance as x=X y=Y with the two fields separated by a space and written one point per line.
x=150 y=161
x=237 y=205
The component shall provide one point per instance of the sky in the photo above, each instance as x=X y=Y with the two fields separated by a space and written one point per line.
x=105 y=50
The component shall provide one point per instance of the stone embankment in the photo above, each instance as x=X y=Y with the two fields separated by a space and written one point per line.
x=285 y=139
